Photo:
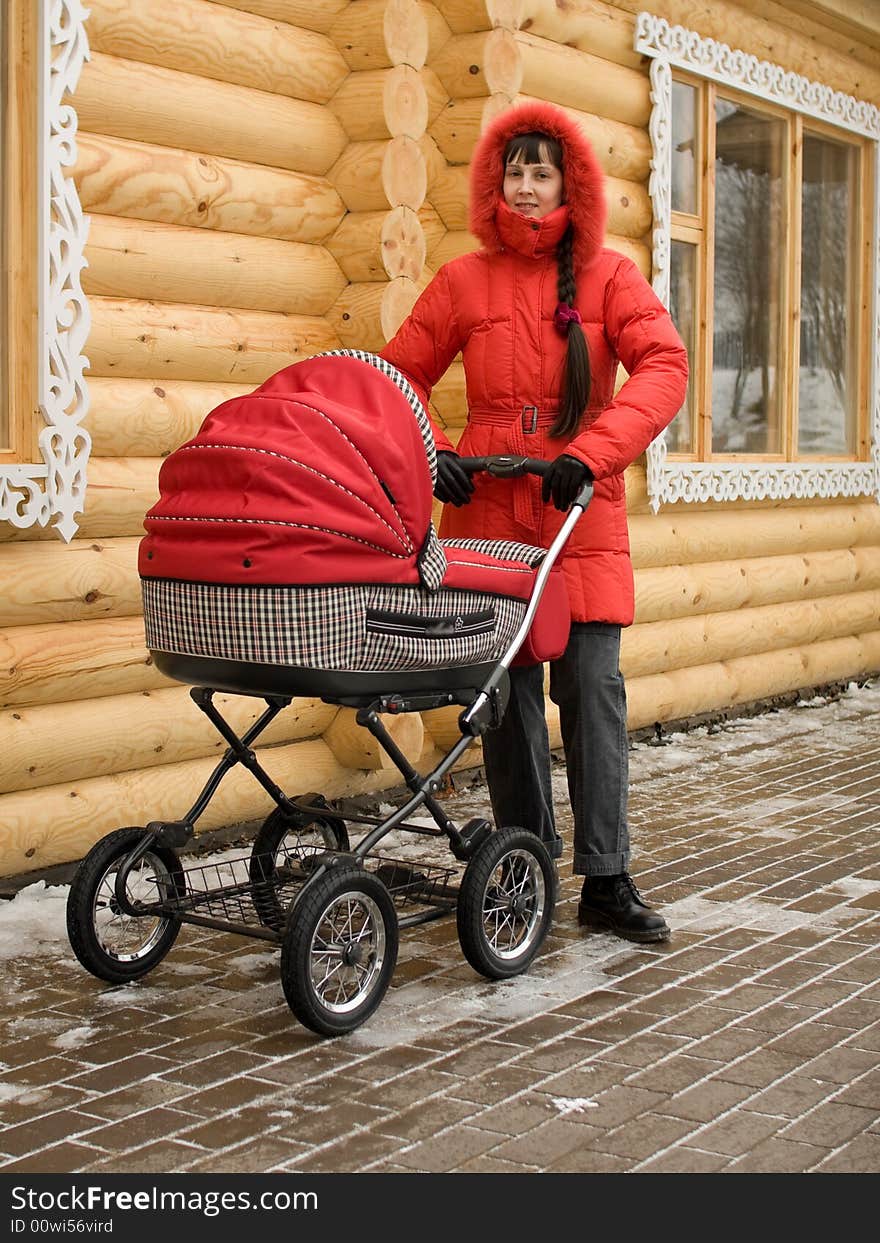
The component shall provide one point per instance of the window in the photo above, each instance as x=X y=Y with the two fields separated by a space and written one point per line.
x=18 y=248
x=766 y=235
x=44 y=320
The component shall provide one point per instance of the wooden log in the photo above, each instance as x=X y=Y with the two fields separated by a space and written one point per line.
x=436 y=94
x=373 y=34
x=588 y=25
x=75 y=660
x=381 y=103
x=630 y=213
x=437 y=28
x=171 y=263
x=117 y=177
x=449 y=396
x=398 y=299
x=119 y=493
x=143 y=340
x=565 y=75
x=373 y=176
x=47 y=744
x=59 y=823
x=657 y=647
x=454 y=242
x=624 y=151
x=356 y=317
x=708 y=688
x=464 y=16
x=372 y=246
x=831 y=29
x=355 y=747
x=403 y=244
x=309 y=14
x=476 y=65
x=224 y=44
x=726 y=22
x=456 y=131
x=434 y=160
x=68 y=582
x=433 y=228
x=685 y=538
x=144 y=102
x=448 y=195
x=639 y=252
x=719 y=586
x=139 y=418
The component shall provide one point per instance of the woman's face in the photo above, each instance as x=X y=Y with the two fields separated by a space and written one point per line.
x=533 y=190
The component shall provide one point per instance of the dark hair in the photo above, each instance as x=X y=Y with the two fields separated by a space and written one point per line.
x=537 y=148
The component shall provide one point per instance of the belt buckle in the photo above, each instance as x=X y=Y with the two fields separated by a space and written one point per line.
x=529 y=420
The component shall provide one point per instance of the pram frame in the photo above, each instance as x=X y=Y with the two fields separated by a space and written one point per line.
x=483 y=708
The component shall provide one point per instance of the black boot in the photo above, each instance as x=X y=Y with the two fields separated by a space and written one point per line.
x=614 y=904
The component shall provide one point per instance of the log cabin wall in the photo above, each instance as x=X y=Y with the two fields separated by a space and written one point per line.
x=268 y=178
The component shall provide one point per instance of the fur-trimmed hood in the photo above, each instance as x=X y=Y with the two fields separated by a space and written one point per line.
x=584 y=179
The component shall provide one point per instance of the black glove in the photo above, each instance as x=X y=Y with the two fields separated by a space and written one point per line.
x=454 y=485
x=564 y=480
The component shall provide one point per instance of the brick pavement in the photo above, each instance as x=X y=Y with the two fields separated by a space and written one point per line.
x=749 y=1042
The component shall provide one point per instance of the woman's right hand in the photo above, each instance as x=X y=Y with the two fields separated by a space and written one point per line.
x=454 y=485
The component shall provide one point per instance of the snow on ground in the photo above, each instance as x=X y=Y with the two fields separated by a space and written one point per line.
x=33 y=923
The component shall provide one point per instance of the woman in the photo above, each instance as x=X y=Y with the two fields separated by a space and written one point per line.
x=542 y=314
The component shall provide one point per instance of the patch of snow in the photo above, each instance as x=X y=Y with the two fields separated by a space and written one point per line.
x=75 y=1038
x=573 y=1104
x=33 y=923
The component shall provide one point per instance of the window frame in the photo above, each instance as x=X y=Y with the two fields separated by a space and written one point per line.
x=46 y=372
x=689 y=478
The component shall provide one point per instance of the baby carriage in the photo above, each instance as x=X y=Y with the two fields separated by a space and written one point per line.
x=292 y=554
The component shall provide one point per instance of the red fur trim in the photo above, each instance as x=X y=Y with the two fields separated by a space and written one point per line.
x=584 y=179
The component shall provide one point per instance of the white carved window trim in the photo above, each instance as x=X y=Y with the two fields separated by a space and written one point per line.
x=668 y=46
x=55 y=488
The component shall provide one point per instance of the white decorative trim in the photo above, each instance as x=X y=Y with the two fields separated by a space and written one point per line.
x=56 y=487
x=669 y=46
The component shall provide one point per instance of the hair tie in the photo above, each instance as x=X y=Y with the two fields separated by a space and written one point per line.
x=564 y=316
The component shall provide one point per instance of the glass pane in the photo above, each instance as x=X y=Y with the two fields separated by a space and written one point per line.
x=827 y=378
x=684 y=148
x=4 y=410
x=747 y=377
x=682 y=296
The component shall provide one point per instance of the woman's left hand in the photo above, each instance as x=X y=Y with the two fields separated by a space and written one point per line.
x=564 y=480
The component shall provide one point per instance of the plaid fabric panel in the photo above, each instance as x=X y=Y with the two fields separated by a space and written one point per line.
x=432 y=562
x=319 y=627
x=501 y=550
x=313 y=627
x=408 y=391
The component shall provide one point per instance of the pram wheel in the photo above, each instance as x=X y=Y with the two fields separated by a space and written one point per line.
x=113 y=946
x=283 y=840
x=505 y=903
x=339 y=950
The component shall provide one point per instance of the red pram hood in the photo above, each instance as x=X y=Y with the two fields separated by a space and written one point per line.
x=323 y=475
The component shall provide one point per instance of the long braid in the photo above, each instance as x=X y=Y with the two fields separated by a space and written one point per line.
x=576 y=378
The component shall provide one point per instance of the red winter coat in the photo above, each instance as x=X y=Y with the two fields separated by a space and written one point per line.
x=496 y=306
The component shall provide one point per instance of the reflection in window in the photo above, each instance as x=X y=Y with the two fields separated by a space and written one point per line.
x=682 y=286
x=749 y=192
x=684 y=149
x=827 y=385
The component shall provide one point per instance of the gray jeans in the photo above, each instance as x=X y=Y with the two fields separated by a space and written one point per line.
x=588 y=687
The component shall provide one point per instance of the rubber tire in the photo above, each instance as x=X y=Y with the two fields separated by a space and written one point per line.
x=305 y=918
x=270 y=835
x=471 y=894
x=80 y=908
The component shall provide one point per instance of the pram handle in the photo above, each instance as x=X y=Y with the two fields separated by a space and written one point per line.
x=505 y=465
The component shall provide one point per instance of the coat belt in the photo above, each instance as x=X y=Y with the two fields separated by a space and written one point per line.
x=522 y=423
